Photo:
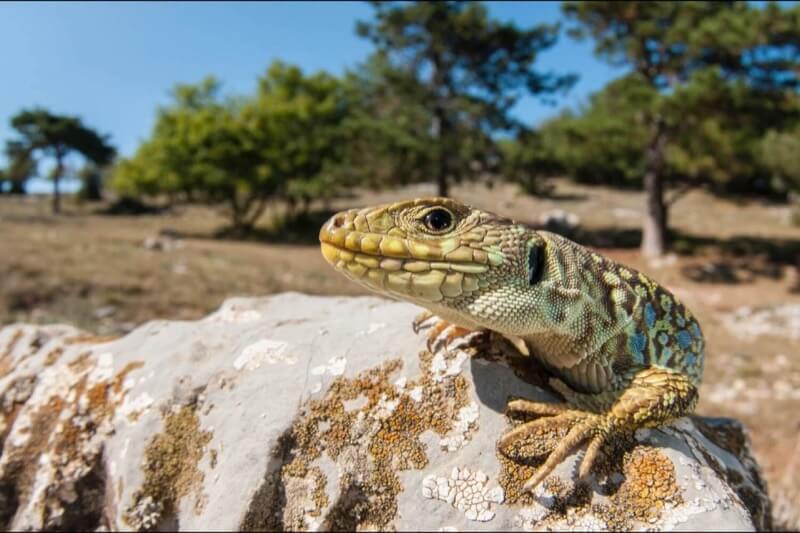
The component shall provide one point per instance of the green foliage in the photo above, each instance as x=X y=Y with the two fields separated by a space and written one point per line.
x=386 y=132
x=56 y=136
x=603 y=143
x=780 y=152
x=280 y=144
x=20 y=168
x=715 y=127
x=458 y=72
x=722 y=71
x=295 y=120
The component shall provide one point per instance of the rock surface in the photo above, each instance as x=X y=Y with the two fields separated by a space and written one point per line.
x=300 y=412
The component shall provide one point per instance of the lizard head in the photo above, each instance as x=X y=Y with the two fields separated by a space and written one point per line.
x=469 y=266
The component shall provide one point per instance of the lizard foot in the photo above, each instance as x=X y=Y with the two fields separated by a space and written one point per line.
x=442 y=332
x=583 y=425
x=653 y=397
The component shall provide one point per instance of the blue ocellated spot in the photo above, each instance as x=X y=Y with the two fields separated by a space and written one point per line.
x=681 y=321
x=649 y=315
x=690 y=359
x=637 y=343
x=663 y=338
x=684 y=339
x=696 y=330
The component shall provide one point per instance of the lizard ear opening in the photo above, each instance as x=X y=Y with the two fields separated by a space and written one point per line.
x=535 y=264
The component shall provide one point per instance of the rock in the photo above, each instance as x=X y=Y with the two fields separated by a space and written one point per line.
x=624 y=212
x=104 y=312
x=162 y=243
x=560 y=221
x=301 y=412
x=666 y=260
x=778 y=320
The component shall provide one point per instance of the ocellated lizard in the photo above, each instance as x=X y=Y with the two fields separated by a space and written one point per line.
x=625 y=351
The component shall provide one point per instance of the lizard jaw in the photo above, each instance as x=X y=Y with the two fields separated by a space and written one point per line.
x=393 y=261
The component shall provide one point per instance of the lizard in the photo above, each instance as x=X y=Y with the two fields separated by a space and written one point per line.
x=625 y=353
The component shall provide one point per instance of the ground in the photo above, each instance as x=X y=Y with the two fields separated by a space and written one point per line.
x=737 y=269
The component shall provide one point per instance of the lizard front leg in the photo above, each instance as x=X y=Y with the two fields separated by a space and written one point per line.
x=654 y=396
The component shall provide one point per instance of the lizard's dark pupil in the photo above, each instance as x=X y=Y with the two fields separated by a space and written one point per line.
x=438 y=220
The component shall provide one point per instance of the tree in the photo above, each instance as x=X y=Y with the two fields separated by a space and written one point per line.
x=296 y=120
x=57 y=136
x=716 y=143
x=283 y=143
x=670 y=45
x=780 y=152
x=385 y=132
x=20 y=167
x=467 y=71
x=599 y=143
x=199 y=149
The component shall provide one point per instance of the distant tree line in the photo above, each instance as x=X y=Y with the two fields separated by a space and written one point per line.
x=709 y=99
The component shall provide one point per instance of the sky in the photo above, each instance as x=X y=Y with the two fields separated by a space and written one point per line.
x=113 y=63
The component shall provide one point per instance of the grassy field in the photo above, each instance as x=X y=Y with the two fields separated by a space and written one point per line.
x=736 y=268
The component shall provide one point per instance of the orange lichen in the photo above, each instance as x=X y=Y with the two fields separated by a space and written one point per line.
x=119 y=379
x=5 y=359
x=650 y=485
x=63 y=428
x=90 y=339
x=53 y=356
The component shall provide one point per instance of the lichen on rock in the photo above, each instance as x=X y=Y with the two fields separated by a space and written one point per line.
x=170 y=469
x=315 y=413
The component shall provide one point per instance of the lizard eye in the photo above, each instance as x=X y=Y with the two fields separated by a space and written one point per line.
x=438 y=220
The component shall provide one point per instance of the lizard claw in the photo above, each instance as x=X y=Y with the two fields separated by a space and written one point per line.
x=422 y=321
x=442 y=333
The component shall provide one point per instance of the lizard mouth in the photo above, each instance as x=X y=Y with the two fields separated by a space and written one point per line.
x=405 y=267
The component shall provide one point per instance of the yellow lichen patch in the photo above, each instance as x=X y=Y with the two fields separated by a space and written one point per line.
x=380 y=437
x=650 y=485
x=170 y=464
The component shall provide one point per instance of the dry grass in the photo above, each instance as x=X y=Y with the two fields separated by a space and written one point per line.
x=94 y=271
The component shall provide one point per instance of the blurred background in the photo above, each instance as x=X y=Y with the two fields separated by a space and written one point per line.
x=158 y=158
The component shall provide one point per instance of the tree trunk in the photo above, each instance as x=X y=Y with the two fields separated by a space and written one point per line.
x=92 y=188
x=438 y=128
x=56 y=178
x=654 y=227
x=17 y=187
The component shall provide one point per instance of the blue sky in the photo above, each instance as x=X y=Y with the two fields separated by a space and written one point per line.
x=114 y=63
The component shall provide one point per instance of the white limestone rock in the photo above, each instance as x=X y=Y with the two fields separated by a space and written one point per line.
x=303 y=412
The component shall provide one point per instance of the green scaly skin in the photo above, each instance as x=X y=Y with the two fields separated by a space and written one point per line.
x=626 y=352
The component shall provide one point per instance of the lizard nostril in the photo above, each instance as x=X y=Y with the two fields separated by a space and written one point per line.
x=338 y=221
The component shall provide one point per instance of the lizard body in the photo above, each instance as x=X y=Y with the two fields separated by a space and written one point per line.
x=627 y=352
